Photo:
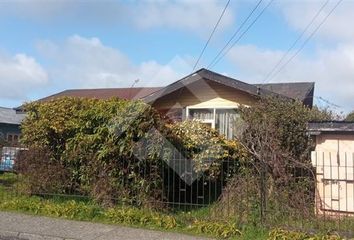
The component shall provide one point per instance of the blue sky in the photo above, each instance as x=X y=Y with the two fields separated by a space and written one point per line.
x=49 y=46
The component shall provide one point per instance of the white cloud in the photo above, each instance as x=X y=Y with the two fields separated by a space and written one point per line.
x=330 y=66
x=337 y=27
x=331 y=69
x=199 y=15
x=87 y=63
x=19 y=74
x=192 y=15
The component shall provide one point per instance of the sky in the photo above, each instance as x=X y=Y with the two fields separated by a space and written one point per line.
x=47 y=46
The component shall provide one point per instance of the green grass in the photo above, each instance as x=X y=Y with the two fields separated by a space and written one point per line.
x=77 y=208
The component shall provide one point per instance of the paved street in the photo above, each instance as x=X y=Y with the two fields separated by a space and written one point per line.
x=15 y=226
x=11 y=238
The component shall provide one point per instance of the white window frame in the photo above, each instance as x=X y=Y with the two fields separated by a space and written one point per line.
x=212 y=121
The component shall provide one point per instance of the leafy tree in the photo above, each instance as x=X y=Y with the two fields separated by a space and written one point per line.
x=275 y=131
x=275 y=135
x=350 y=117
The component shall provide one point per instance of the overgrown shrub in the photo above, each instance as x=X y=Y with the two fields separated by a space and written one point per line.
x=278 y=127
x=275 y=135
x=205 y=147
x=114 y=150
x=277 y=181
x=44 y=174
x=239 y=200
x=97 y=143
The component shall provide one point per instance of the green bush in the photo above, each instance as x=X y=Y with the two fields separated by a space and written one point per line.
x=112 y=149
x=219 y=229
x=96 y=144
x=281 y=234
x=205 y=147
x=134 y=216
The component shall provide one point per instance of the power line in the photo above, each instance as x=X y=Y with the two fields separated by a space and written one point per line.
x=242 y=34
x=328 y=102
x=296 y=41
x=237 y=31
x=307 y=40
x=211 y=35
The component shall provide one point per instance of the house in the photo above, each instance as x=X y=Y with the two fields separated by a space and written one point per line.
x=10 y=121
x=333 y=158
x=205 y=95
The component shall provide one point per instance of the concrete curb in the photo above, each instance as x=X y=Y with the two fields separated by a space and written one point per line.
x=29 y=236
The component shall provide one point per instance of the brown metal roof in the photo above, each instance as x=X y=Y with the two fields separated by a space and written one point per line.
x=105 y=93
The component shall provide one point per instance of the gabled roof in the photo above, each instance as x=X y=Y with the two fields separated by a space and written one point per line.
x=298 y=91
x=10 y=116
x=104 y=93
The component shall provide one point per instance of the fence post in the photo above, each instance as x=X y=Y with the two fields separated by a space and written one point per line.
x=263 y=200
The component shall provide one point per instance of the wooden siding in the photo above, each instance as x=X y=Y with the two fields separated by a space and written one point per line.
x=335 y=143
x=205 y=93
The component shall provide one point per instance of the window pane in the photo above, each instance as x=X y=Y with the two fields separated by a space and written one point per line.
x=225 y=120
x=202 y=114
x=9 y=138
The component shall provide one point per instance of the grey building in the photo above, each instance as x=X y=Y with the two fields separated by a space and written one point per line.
x=10 y=121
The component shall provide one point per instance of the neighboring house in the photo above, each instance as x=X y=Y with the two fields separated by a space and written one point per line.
x=333 y=158
x=205 y=95
x=10 y=121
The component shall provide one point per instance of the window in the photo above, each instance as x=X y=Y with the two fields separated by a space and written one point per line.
x=204 y=115
x=12 y=138
x=222 y=119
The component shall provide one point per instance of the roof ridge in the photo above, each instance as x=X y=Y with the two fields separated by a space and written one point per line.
x=109 y=88
x=281 y=83
x=218 y=78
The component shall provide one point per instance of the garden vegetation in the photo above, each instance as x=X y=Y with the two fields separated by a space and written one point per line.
x=113 y=152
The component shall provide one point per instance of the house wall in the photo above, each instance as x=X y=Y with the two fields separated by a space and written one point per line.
x=334 y=161
x=9 y=129
x=203 y=94
x=335 y=142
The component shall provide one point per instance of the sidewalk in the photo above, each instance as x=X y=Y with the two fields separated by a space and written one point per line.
x=20 y=226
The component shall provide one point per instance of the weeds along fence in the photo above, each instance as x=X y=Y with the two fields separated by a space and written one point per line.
x=318 y=197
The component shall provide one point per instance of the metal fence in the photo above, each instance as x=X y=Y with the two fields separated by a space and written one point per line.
x=316 y=198
x=8 y=157
x=334 y=186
